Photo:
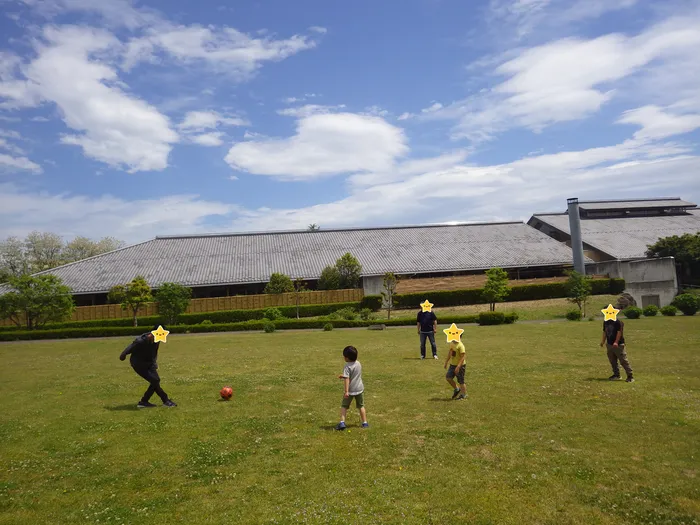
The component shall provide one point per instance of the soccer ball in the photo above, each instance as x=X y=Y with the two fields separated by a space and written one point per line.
x=226 y=393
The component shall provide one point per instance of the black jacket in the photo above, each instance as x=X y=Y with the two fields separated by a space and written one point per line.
x=143 y=351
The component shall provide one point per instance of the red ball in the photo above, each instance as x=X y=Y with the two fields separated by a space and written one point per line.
x=226 y=393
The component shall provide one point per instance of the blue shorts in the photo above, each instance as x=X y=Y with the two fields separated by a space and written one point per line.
x=451 y=372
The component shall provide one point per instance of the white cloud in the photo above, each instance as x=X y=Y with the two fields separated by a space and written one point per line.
x=10 y=147
x=308 y=110
x=208 y=139
x=324 y=144
x=112 y=12
x=567 y=79
x=97 y=216
x=318 y=29
x=113 y=127
x=375 y=111
x=659 y=123
x=229 y=50
x=201 y=120
x=9 y=163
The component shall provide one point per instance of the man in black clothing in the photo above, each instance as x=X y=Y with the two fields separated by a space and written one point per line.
x=426 y=321
x=144 y=357
x=613 y=335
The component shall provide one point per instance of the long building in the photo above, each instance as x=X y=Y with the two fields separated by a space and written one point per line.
x=230 y=264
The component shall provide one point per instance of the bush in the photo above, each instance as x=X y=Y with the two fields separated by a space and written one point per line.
x=651 y=310
x=328 y=327
x=273 y=314
x=269 y=327
x=491 y=318
x=349 y=313
x=669 y=310
x=511 y=318
x=279 y=283
x=573 y=315
x=373 y=302
x=687 y=303
x=366 y=314
x=206 y=322
x=633 y=312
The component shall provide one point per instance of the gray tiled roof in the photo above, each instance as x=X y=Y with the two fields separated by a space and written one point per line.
x=249 y=258
x=628 y=237
x=669 y=202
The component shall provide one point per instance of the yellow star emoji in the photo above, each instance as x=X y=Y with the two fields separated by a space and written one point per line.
x=453 y=333
x=426 y=305
x=160 y=334
x=610 y=313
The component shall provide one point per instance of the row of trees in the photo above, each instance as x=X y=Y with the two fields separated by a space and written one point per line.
x=44 y=251
x=685 y=249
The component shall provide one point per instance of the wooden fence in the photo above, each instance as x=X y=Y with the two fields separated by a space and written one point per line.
x=215 y=304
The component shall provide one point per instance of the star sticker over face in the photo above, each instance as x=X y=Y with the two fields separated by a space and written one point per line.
x=426 y=306
x=160 y=334
x=610 y=313
x=453 y=333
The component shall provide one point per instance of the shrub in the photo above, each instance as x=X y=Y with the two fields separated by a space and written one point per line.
x=373 y=302
x=269 y=327
x=573 y=315
x=633 y=312
x=349 y=313
x=328 y=327
x=669 y=310
x=206 y=322
x=491 y=318
x=651 y=310
x=273 y=313
x=366 y=314
x=279 y=283
x=511 y=318
x=687 y=303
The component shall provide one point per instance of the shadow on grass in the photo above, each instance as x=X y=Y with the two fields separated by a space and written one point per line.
x=131 y=407
x=441 y=399
x=413 y=358
x=598 y=379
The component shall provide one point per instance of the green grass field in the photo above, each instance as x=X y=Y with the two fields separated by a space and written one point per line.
x=543 y=437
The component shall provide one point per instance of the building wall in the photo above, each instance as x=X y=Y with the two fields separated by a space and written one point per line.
x=649 y=281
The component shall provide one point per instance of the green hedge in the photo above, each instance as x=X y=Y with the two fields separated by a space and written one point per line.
x=223 y=316
x=528 y=292
x=251 y=325
x=373 y=302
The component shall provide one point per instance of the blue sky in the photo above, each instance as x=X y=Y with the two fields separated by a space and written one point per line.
x=136 y=119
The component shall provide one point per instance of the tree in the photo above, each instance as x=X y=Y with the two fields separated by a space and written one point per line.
x=279 y=283
x=313 y=228
x=496 y=287
x=14 y=260
x=390 y=281
x=578 y=290
x=330 y=279
x=299 y=286
x=685 y=249
x=44 y=250
x=36 y=301
x=173 y=300
x=131 y=296
x=350 y=270
x=82 y=248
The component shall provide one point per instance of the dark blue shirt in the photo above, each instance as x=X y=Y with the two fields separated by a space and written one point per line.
x=426 y=320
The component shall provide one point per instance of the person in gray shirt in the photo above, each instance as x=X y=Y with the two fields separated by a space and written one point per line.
x=354 y=387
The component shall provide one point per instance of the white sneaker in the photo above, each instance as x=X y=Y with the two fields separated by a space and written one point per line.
x=435 y=356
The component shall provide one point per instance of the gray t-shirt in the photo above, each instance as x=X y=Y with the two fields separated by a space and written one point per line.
x=353 y=370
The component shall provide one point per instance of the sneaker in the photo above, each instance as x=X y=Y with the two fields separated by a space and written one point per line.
x=630 y=380
x=340 y=426
x=422 y=357
x=145 y=404
x=614 y=378
x=169 y=403
x=365 y=425
x=435 y=356
x=455 y=393
x=461 y=397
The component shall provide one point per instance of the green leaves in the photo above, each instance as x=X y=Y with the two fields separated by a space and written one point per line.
x=279 y=283
x=578 y=289
x=131 y=296
x=496 y=288
x=173 y=300
x=36 y=301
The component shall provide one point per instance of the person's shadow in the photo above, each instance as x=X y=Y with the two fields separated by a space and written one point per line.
x=597 y=379
x=119 y=408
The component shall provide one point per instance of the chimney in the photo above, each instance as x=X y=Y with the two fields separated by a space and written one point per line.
x=576 y=241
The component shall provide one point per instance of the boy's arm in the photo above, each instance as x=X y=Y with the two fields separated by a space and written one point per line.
x=461 y=360
x=347 y=387
x=602 y=341
x=449 y=355
x=129 y=349
x=619 y=334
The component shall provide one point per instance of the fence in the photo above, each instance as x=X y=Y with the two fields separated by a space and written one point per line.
x=215 y=304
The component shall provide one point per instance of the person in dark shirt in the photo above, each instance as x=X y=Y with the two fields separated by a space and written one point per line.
x=427 y=326
x=144 y=361
x=614 y=338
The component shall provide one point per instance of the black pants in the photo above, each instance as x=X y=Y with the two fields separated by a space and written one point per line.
x=150 y=374
x=431 y=337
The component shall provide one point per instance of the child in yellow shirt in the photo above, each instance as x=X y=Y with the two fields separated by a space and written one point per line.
x=456 y=357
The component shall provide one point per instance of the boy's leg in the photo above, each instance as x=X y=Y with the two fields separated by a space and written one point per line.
x=460 y=379
x=344 y=405
x=360 y=404
x=151 y=375
x=449 y=376
x=613 y=361
x=431 y=336
x=622 y=356
x=422 y=344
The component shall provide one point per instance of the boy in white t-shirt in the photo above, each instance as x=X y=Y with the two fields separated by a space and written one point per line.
x=354 y=388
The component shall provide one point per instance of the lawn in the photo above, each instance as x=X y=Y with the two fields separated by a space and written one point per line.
x=542 y=438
